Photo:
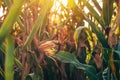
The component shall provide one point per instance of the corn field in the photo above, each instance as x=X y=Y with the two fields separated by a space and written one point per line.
x=59 y=39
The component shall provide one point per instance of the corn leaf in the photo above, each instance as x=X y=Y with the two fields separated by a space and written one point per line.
x=77 y=34
x=2 y=47
x=69 y=58
x=97 y=5
x=105 y=74
x=39 y=22
x=9 y=58
x=94 y=14
x=97 y=31
x=2 y=72
x=10 y=19
x=7 y=2
x=117 y=52
x=20 y=22
x=18 y=63
x=30 y=76
x=37 y=75
x=107 y=11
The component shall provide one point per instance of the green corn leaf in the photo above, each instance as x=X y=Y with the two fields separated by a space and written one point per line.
x=97 y=5
x=105 y=74
x=117 y=52
x=2 y=72
x=2 y=47
x=9 y=58
x=117 y=61
x=18 y=63
x=97 y=31
x=118 y=47
x=38 y=75
x=69 y=58
x=39 y=22
x=10 y=19
x=105 y=54
x=77 y=34
x=33 y=76
x=94 y=14
x=20 y=23
x=107 y=11
x=8 y=3
x=30 y=76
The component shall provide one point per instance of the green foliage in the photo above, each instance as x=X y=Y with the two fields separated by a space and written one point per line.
x=77 y=35
x=9 y=21
x=98 y=32
x=94 y=13
x=23 y=58
x=107 y=11
x=9 y=58
x=69 y=58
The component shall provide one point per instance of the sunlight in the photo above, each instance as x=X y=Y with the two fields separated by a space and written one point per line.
x=59 y=13
x=64 y=2
x=1 y=11
x=56 y=5
x=86 y=10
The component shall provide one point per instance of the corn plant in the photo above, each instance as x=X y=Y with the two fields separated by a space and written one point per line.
x=35 y=46
x=109 y=59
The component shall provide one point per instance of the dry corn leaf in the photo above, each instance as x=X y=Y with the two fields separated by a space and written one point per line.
x=98 y=61
x=48 y=47
x=112 y=39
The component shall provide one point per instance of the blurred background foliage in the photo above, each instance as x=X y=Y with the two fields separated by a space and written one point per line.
x=59 y=39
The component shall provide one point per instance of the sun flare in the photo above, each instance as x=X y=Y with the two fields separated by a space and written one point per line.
x=1 y=11
x=64 y=2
